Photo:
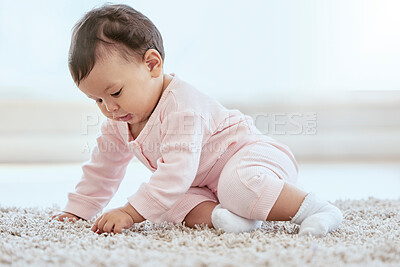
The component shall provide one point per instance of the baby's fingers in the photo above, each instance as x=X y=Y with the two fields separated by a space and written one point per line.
x=70 y=219
x=108 y=227
x=57 y=217
x=117 y=228
x=95 y=226
x=100 y=223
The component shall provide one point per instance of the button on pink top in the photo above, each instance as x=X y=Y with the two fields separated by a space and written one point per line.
x=185 y=143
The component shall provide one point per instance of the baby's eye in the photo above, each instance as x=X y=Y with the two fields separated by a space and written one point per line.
x=117 y=93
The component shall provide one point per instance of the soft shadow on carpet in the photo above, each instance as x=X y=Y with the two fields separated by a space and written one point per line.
x=369 y=236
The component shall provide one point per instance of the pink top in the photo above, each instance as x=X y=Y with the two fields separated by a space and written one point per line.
x=186 y=142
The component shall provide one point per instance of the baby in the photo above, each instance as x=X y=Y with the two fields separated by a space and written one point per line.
x=210 y=164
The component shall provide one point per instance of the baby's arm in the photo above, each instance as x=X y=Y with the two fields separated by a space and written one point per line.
x=128 y=208
x=176 y=168
x=102 y=175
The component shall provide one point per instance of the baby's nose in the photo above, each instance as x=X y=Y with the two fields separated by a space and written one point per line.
x=111 y=107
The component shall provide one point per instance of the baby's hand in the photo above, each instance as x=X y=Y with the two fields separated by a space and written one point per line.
x=113 y=221
x=70 y=217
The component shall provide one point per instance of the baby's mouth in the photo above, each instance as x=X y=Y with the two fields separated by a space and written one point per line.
x=125 y=118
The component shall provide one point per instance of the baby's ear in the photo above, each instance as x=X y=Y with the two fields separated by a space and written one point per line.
x=153 y=62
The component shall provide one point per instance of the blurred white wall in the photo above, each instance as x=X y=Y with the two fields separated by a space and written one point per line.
x=339 y=60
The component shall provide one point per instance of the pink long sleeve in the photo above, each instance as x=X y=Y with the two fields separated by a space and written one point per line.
x=182 y=135
x=102 y=174
x=185 y=143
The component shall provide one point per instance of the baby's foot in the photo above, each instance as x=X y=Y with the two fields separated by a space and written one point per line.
x=317 y=217
x=229 y=222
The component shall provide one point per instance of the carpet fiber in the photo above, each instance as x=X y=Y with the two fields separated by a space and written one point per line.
x=369 y=236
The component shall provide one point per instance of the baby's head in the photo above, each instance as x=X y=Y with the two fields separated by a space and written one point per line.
x=116 y=58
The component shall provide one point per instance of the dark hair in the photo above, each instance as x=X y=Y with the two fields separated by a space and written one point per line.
x=119 y=28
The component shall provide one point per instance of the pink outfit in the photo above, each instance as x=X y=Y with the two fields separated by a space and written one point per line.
x=197 y=150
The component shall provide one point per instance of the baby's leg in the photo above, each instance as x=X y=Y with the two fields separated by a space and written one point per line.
x=210 y=213
x=315 y=216
x=257 y=183
x=287 y=204
x=194 y=207
x=285 y=207
x=200 y=214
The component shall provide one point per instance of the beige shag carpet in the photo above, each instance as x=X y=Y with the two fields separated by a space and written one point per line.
x=369 y=236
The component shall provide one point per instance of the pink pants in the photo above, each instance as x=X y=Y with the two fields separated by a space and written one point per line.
x=249 y=184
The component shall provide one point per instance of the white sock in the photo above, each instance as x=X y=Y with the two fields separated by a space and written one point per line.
x=229 y=222
x=317 y=217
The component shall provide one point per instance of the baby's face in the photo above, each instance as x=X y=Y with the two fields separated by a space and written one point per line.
x=124 y=91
